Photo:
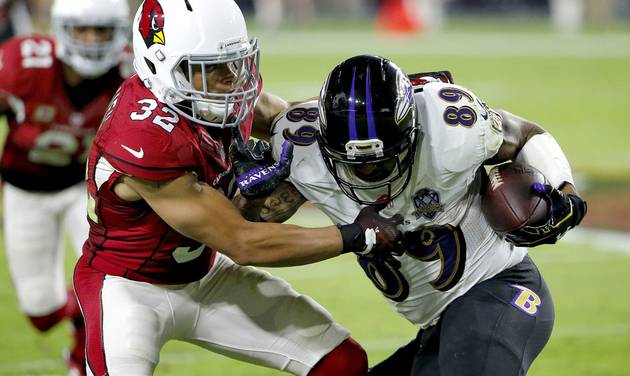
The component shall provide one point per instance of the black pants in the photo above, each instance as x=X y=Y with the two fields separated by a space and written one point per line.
x=497 y=328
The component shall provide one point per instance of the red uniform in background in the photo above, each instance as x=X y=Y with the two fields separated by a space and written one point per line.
x=51 y=128
x=50 y=131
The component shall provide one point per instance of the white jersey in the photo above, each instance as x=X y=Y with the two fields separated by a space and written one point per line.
x=442 y=200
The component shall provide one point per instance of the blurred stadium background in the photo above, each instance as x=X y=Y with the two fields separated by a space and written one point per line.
x=562 y=63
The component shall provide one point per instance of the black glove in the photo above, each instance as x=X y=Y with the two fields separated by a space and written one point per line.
x=372 y=234
x=565 y=211
x=257 y=173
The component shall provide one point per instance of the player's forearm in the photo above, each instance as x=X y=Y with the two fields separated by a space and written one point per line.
x=200 y=212
x=261 y=244
x=270 y=244
x=544 y=153
x=516 y=133
x=277 y=207
x=528 y=143
x=282 y=204
x=250 y=209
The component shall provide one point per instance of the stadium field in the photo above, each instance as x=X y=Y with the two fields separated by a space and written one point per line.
x=575 y=86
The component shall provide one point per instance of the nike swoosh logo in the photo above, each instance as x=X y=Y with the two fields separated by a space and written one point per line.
x=136 y=153
x=485 y=114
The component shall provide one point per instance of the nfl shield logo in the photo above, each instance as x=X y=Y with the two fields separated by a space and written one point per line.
x=427 y=203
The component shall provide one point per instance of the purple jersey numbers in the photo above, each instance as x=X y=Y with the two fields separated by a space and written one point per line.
x=453 y=95
x=465 y=116
x=440 y=243
x=445 y=244
x=385 y=277
x=303 y=136
x=298 y=114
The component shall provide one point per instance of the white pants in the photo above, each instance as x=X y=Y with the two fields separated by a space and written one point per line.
x=34 y=228
x=240 y=312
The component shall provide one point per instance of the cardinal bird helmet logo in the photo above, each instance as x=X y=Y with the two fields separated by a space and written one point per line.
x=152 y=23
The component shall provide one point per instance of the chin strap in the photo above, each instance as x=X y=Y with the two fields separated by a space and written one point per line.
x=212 y=112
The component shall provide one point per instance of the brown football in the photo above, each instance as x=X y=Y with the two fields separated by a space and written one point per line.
x=509 y=201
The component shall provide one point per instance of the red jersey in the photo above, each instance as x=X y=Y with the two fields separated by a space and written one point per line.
x=49 y=136
x=144 y=138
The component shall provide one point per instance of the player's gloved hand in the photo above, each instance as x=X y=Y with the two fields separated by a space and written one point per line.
x=372 y=234
x=257 y=173
x=565 y=211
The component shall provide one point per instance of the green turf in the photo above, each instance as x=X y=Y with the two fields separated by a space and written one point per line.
x=576 y=87
x=591 y=335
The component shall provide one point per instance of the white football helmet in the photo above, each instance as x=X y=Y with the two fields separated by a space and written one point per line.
x=178 y=44
x=90 y=59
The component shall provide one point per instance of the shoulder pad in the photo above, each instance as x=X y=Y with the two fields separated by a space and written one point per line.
x=144 y=137
x=461 y=128
x=418 y=80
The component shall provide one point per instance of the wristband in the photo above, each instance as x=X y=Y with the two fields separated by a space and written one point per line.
x=353 y=237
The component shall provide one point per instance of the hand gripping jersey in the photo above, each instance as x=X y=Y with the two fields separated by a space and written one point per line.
x=49 y=137
x=458 y=248
x=143 y=138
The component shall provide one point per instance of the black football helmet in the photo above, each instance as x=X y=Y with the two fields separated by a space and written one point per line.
x=368 y=131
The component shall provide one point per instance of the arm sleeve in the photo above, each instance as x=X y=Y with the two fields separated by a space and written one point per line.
x=543 y=152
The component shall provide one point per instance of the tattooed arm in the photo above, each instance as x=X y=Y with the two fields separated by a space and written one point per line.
x=250 y=209
x=278 y=207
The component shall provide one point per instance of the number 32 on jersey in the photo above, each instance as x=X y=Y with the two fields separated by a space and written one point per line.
x=146 y=110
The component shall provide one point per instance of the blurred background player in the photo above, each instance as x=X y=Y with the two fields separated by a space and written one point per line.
x=160 y=175
x=23 y=17
x=55 y=92
x=417 y=145
x=15 y=19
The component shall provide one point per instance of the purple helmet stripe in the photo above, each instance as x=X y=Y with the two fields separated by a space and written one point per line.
x=352 y=123
x=368 y=106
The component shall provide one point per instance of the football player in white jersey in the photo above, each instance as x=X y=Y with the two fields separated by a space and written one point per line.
x=416 y=146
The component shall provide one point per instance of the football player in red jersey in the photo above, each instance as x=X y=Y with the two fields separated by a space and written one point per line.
x=161 y=173
x=54 y=92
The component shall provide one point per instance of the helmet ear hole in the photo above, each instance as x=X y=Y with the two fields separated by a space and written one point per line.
x=150 y=65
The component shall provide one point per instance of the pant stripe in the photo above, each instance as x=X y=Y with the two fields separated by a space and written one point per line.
x=88 y=284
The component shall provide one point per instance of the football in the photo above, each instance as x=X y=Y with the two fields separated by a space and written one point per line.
x=509 y=201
